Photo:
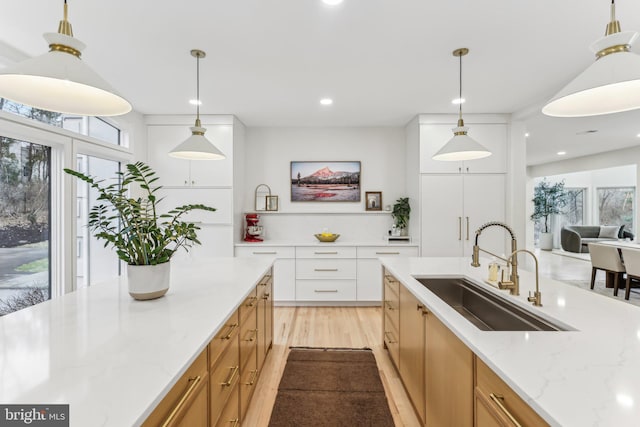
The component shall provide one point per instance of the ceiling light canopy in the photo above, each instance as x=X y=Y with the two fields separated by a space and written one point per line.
x=461 y=146
x=60 y=81
x=197 y=147
x=610 y=85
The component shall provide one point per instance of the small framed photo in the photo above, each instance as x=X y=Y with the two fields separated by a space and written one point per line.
x=374 y=200
x=272 y=203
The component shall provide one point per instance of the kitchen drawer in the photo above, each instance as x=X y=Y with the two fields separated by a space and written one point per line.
x=325 y=252
x=391 y=336
x=247 y=383
x=498 y=398
x=391 y=285
x=386 y=251
x=392 y=312
x=248 y=337
x=224 y=338
x=231 y=414
x=224 y=376
x=326 y=268
x=325 y=290
x=272 y=251
x=248 y=306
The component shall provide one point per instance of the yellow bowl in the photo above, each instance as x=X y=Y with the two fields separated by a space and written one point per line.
x=327 y=237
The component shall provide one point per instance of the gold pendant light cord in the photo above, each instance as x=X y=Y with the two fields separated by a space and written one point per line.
x=198 y=90
x=460 y=94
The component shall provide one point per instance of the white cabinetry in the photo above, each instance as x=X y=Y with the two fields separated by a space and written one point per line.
x=188 y=173
x=493 y=136
x=454 y=206
x=284 y=268
x=325 y=274
x=369 y=282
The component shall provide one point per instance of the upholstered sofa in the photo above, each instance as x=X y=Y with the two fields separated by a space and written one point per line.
x=576 y=238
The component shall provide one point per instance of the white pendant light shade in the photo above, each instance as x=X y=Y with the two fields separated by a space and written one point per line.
x=197 y=147
x=610 y=85
x=60 y=81
x=461 y=147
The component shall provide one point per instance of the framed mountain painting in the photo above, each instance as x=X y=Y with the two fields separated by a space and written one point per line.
x=337 y=181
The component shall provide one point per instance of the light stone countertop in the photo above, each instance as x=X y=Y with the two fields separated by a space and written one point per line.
x=315 y=242
x=111 y=358
x=586 y=377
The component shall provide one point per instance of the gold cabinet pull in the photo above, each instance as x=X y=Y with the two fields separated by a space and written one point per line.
x=389 y=306
x=265 y=253
x=325 y=253
x=231 y=329
x=254 y=332
x=253 y=301
x=235 y=422
x=252 y=377
x=467 y=228
x=459 y=228
x=387 y=253
x=187 y=394
x=390 y=340
x=420 y=307
x=266 y=295
x=498 y=399
x=229 y=380
x=325 y=269
x=319 y=291
x=425 y=312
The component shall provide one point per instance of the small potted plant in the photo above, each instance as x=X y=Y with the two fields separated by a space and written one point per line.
x=142 y=238
x=401 y=213
x=548 y=199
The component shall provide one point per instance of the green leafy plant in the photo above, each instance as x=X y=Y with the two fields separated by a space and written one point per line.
x=401 y=213
x=132 y=225
x=548 y=199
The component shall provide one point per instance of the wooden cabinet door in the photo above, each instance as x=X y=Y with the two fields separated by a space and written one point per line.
x=412 y=349
x=442 y=215
x=448 y=377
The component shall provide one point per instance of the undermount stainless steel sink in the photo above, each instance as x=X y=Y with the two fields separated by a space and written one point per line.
x=485 y=310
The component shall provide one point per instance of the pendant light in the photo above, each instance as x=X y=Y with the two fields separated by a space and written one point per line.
x=461 y=146
x=60 y=81
x=197 y=147
x=610 y=85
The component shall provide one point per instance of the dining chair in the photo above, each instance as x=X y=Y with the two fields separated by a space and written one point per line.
x=606 y=258
x=632 y=265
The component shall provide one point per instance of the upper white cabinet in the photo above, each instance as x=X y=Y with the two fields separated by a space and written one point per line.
x=190 y=173
x=491 y=135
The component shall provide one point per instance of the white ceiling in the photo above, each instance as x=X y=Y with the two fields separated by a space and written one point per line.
x=382 y=61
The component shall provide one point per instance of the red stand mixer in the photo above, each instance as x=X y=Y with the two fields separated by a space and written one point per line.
x=253 y=230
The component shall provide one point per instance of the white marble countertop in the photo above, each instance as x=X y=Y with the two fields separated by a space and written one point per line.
x=315 y=242
x=111 y=358
x=586 y=377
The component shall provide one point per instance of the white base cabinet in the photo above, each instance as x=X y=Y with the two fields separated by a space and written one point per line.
x=327 y=274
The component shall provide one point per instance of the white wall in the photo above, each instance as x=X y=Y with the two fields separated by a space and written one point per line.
x=269 y=151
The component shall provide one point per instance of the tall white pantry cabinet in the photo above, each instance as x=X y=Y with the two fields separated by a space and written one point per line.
x=210 y=182
x=458 y=197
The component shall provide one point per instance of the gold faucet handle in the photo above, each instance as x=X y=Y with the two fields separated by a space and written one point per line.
x=535 y=298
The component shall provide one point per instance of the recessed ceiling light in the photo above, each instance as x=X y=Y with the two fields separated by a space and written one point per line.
x=326 y=101
x=561 y=153
x=458 y=101
x=638 y=135
x=332 y=2
x=195 y=102
x=526 y=135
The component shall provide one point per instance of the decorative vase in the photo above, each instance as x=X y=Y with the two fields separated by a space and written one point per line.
x=546 y=241
x=148 y=281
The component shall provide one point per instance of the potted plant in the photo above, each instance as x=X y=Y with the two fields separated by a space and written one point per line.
x=548 y=199
x=401 y=212
x=142 y=238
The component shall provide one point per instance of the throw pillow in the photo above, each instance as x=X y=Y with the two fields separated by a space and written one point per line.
x=609 y=231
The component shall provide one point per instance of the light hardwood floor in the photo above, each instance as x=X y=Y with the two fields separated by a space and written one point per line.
x=327 y=327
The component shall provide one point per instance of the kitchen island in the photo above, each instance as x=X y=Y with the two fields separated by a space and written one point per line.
x=588 y=375
x=112 y=358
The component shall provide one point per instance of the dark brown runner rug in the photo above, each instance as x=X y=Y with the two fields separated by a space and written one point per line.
x=331 y=387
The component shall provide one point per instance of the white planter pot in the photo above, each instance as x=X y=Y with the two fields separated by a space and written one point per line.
x=148 y=281
x=546 y=241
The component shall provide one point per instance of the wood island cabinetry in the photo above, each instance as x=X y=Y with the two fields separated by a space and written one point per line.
x=446 y=382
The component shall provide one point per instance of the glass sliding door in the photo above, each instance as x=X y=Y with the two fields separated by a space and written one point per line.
x=25 y=224
x=95 y=263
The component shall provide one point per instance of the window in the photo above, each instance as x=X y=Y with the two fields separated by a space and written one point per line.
x=574 y=211
x=25 y=218
x=616 y=206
